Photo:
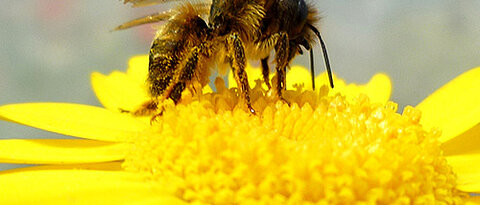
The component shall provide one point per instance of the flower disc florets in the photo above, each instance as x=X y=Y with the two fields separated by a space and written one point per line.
x=321 y=148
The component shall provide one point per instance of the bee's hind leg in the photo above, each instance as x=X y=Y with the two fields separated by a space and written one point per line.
x=186 y=73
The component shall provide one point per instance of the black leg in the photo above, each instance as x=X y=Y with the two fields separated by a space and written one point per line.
x=236 y=53
x=282 y=56
x=266 y=72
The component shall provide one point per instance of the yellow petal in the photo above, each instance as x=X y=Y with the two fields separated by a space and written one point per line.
x=467 y=168
x=118 y=91
x=298 y=75
x=378 y=89
x=60 y=151
x=138 y=69
x=160 y=200
x=79 y=187
x=253 y=74
x=105 y=166
x=474 y=200
x=207 y=89
x=75 y=120
x=465 y=164
x=466 y=143
x=455 y=107
x=469 y=182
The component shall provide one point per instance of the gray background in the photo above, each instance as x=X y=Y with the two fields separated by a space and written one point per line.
x=48 y=48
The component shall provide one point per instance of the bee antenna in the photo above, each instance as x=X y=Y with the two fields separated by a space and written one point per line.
x=325 y=55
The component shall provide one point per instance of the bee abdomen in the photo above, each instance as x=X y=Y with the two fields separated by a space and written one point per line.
x=163 y=61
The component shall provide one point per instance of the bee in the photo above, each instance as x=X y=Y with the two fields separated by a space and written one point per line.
x=186 y=47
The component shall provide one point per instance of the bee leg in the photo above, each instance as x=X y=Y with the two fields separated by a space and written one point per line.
x=185 y=74
x=182 y=76
x=236 y=54
x=282 y=56
x=146 y=108
x=158 y=114
x=176 y=93
x=266 y=72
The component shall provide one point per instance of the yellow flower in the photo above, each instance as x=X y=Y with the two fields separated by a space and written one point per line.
x=326 y=148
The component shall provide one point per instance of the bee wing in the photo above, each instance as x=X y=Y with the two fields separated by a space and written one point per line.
x=141 y=3
x=152 y=18
x=202 y=8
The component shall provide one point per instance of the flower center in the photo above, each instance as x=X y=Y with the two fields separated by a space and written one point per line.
x=318 y=149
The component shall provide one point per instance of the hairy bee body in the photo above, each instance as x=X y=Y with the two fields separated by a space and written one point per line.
x=186 y=47
x=171 y=50
x=269 y=25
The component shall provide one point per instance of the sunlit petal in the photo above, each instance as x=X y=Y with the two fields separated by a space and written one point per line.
x=138 y=69
x=474 y=200
x=253 y=75
x=74 y=120
x=79 y=187
x=160 y=200
x=454 y=107
x=102 y=166
x=469 y=182
x=298 y=75
x=466 y=143
x=465 y=164
x=60 y=151
x=378 y=89
x=118 y=92
x=467 y=168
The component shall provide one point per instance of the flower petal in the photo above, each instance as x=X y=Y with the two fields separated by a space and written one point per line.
x=378 y=89
x=79 y=187
x=469 y=182
x=253 y=74
x=455 y=107
x=467 y=168
x=60 y=151
x=473 y=200
x=75 y=120
x=118 y=91
x=105 y=166
x=298 y=75
x=465 y=164
x=466 y=143
x=138 y=68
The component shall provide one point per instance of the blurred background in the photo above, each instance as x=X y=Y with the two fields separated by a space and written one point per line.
x=48 y=48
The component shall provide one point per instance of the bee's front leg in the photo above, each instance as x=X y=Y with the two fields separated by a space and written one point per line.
x=236 y=54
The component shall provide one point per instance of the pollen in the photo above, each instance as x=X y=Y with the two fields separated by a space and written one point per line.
x=323 y=149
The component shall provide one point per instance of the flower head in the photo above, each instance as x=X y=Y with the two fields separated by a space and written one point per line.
x=326 y=147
